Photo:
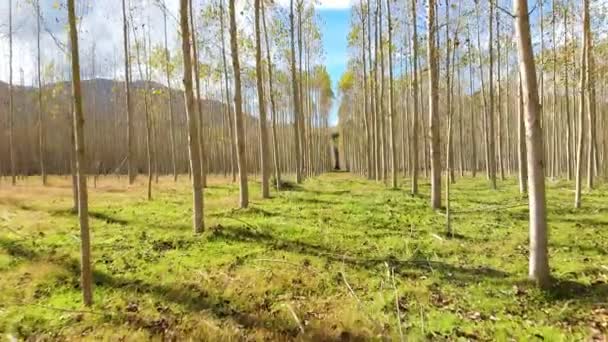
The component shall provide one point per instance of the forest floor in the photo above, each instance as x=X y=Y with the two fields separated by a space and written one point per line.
x=334 y=252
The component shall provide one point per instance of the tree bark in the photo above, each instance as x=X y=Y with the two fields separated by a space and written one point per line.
x=11 y=107
x=170 y=93
x=131 y=164
x=391 y=99
x=521 y=141
x=264 y=165
x=591 y=105
x=275 y=146
x=198 y=102
x=238 y=110
x=539 y=262
x=86 y=274
x=228 y=104
x=193 y=146
x=41 y=147
x=581 y=112
x=296 y=97
x=415 y=91
x=433 y=108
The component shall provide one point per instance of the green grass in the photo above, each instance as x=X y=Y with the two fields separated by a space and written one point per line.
x=329 y=250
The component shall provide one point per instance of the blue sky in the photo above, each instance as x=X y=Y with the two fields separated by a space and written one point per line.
x=335 y=31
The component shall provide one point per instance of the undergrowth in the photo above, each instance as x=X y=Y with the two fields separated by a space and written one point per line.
x=338 y=257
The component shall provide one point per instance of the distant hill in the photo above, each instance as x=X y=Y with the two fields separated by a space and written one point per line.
x=104 y=103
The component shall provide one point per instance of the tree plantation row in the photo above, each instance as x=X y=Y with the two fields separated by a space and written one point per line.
x=38 y=121
x=490 y=100
x=479 y=87
x=432 y=88
x=143 y=126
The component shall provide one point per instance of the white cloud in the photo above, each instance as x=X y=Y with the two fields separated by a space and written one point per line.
x=101 y=25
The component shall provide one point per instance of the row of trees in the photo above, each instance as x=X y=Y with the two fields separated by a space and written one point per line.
x=147 y=124
x=151 y=71
x=489 y=108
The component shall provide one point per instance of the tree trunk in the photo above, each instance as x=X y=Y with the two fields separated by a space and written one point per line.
x=433 y=109
x=391 y=99
x=569 y=151
x=591 y=105
x=490 y=112
x=170 y=93
x=143 y=77
x=238 y=111
x=228 y=104
x=521 y=142
x=472 y=107
x=131 y=163
x=296 y=97
x=539 y=263
x=501 y=167
x=415 y=114
x=86 y=274
x=41 y=148
x=275 y=146
x=581 y=112
x=383 y=165
x=198 y=102
x=195 y=164
x=11 y=123
x=368 y=143
x=261 y=105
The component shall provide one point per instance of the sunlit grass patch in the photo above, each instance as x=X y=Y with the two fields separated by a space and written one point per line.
x=337 y=256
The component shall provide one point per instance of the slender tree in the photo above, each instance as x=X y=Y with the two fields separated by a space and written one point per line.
x=296 y=97
x=131 y=167
x=86 y=274
x=275 y=145
x=229 y=105
x=11 y=107
x=521 y=141
x=264 y=162
x=490 y=112
x=198 y=103
x=581 y=112
x=591 y=105
x=433 y=108
x=415 y=167
x=539 y=261
x=41 y=147
x=141 y=45
x=193 y=146
x=391 y=98
x=170 y=93
x=238 y=110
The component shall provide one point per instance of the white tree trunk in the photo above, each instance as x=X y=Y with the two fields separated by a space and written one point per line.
x=539 y=263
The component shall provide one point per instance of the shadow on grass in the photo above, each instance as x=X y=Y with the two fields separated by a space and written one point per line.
x=403 y=267
x=107 y=218
x=582 y=248
x=194 y=298
x=256 y=316
x=563 y=289
x=583 y=222
x=250 y=211
x=312 y=201
x=92 y=214
x=16 y=249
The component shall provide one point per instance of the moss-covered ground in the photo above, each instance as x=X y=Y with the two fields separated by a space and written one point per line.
x=337 y=258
